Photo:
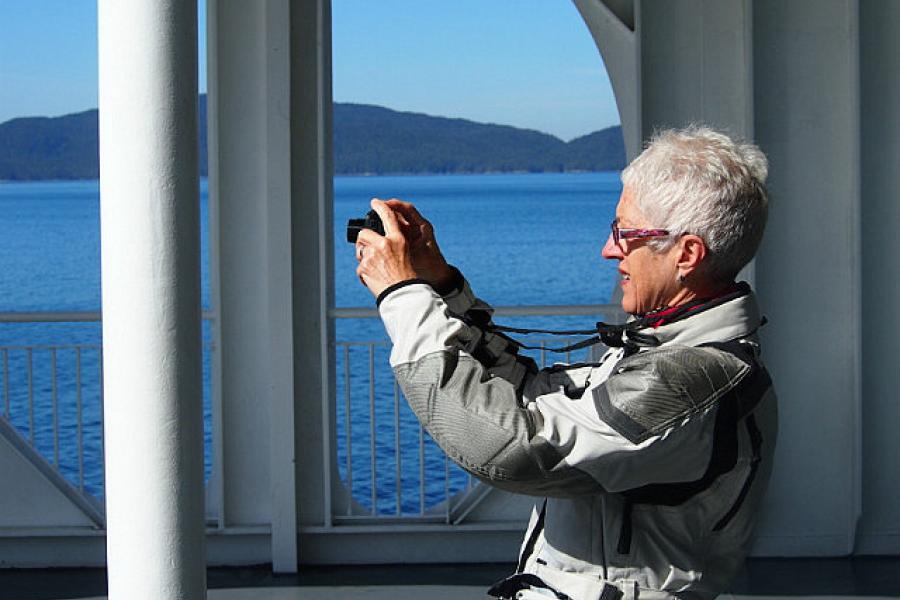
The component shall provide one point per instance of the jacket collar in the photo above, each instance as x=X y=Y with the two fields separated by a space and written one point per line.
x=733 y=318
x=730 y=316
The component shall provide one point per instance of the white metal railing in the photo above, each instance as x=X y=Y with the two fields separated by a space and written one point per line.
x=52 y=398
x=373 y=430
x=51 y=317
x=72 y=431
x=609 y=311
x=391 y=470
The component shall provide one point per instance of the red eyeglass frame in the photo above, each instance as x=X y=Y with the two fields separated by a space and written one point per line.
x=620 y=234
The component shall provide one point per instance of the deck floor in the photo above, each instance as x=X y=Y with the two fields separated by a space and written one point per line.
x=832 y=578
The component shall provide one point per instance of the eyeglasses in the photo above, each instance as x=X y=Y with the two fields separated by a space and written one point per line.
x=620 y=234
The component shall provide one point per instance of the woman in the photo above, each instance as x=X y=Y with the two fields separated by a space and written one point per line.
x=653 y=460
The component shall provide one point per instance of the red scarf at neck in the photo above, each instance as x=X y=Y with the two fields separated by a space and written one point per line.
x=669 y=314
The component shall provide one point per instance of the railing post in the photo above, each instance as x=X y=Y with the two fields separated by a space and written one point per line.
x=373 y=458
x=347 y=429
x=6 y=382
x=399 y=467
x=55 y=402
x=30 y=370
x=79 y=419
x=150 y=231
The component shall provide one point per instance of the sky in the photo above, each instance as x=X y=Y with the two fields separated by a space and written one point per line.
x=526 y=63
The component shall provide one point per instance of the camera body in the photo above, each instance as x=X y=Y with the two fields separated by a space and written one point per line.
x=370 y=221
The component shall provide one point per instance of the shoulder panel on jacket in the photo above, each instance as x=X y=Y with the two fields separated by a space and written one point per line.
x=479 y=422
x=650 y=391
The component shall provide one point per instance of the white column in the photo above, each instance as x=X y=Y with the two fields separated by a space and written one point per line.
x=313 y=269
x=151 y=299
x=250 y=177
x=697 y=67
x=614 y=27
x=282 y=451
x=879 y=531
x=807 y=111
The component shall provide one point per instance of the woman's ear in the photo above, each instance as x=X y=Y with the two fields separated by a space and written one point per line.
x=691 y=252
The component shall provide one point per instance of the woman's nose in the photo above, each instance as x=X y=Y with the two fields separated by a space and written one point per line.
x=611 y=249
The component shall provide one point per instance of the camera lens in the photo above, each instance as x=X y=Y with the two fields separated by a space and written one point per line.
x=370 y=221
x=353 y=227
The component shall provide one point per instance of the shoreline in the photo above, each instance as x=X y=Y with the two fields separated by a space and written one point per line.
x=399 y=174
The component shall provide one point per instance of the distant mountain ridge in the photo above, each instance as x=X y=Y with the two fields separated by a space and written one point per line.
x=367 y=140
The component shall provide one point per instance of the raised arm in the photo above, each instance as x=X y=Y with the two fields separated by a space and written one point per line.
x=468 y=391
x=408 y=254
x=654 y=420
x=529 y=431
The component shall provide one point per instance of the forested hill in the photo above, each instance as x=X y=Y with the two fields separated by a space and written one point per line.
x=372 y=139
x=367 y=140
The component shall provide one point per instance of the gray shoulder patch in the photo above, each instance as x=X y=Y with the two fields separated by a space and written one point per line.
x=478 y=421
x=650 y=391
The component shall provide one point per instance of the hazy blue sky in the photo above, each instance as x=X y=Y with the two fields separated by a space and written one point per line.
x=528 y=63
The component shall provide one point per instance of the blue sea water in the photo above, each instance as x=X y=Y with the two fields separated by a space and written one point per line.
x=523 y=239
x=520 y=239
x=50 y=262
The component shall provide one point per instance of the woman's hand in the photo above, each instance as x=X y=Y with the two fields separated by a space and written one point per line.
x=383 y=260
x=407 y=250
x=427 y=259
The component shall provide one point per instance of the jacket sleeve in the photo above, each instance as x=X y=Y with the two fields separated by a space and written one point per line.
x=495 y=351
x=649 y=422
x=467 y=388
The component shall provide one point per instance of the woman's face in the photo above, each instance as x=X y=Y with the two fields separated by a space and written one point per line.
x=649 y=278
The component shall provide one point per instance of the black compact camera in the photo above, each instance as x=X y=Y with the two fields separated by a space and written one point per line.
x=370 y=221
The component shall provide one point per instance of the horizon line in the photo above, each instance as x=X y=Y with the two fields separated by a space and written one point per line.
x=396 y=110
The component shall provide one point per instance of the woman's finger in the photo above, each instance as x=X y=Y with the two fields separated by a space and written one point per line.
x=367 y=237
x=359 y=275
x=388 y=218
x=407 y=209
x=400 y=211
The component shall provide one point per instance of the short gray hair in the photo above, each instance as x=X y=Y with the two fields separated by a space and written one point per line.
x=700 y=181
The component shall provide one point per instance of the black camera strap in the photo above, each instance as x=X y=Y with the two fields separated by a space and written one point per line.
x=624 y=335
x=570 y=348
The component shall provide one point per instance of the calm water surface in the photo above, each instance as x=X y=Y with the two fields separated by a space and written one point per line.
x=520 y=239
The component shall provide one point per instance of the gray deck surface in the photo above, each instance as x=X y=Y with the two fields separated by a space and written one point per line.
x=831 y=578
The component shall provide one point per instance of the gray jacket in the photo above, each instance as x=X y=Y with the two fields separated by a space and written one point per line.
x=653 y=460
